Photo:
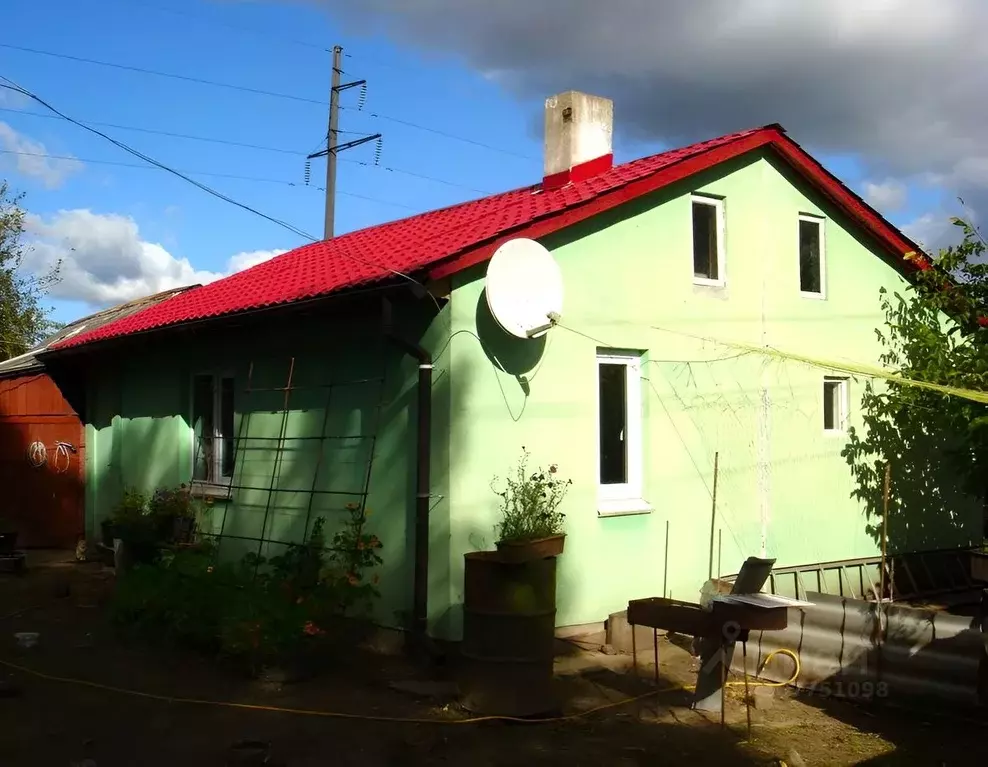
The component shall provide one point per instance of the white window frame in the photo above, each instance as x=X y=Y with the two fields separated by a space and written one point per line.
x=218 y=485
x=717 y=203
x=626 y=498
x=820 y=221
x=843 y=401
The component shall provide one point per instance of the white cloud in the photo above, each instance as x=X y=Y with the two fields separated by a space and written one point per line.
x=246 y=260
x=887 y=196
x=933 y=231
x=27 y=157
x=104 y=260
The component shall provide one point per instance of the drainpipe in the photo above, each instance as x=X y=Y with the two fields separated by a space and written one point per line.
x=420 y=583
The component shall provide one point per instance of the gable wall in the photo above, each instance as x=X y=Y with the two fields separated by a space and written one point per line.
x=784 y=489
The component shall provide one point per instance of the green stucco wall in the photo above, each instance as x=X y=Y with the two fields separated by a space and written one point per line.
x=139 y=409
x=783 y=488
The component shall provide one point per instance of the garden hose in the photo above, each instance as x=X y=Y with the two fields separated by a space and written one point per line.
x=382 y=718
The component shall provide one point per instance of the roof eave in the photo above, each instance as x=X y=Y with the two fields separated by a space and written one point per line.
x=100 y=345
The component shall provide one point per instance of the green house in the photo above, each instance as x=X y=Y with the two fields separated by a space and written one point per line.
x=368 y=369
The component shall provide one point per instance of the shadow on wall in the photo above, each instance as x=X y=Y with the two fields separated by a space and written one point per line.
x=929 y=506
x=350 y=411
x=515 y=356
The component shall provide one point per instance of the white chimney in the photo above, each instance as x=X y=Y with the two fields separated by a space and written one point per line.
x=578 y=130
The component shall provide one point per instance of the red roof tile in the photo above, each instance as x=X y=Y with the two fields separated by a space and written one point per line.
x=441 y=242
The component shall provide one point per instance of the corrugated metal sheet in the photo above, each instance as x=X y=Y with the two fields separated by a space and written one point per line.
x=853 y=648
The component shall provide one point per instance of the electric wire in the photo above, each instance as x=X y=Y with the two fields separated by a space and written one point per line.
x=263 y=92
x=234 y=176
x=156 y=132
x=11 y=85
x=392 y=719
x=258 y=147
x=169 y=75
x=130 y=150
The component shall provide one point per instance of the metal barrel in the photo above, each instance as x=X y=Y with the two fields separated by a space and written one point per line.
x=509 y=620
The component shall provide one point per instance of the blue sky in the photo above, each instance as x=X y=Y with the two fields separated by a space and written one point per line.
x=269 y=46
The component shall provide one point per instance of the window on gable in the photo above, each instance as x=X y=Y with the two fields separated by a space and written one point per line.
x=836 y=402
x=619 y=430
x=214 y=450
x=811 y=255
x=708 y=240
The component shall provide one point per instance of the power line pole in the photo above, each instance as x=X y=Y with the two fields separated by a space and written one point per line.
x=333 y=145
x=332 y=139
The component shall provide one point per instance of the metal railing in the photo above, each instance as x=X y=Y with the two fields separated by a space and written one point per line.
x=914 y=575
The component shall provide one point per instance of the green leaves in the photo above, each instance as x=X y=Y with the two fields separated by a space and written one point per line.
x=530 y=502
x=24 y=322
x=937 y=444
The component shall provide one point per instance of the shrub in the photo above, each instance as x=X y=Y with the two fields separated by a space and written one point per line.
x=255 y=611
x=530 y=502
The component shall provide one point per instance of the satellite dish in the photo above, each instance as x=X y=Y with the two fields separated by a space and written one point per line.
x=524 y=288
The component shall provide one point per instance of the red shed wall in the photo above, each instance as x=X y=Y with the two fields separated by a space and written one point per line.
x=46 y=503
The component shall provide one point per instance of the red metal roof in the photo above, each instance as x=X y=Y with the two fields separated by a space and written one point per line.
x=441 y=242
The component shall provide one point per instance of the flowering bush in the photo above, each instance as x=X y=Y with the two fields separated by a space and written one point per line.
x=353 y=552
x=257 y=611
x=530 y=502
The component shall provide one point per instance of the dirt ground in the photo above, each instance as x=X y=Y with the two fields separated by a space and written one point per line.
x=81 y=708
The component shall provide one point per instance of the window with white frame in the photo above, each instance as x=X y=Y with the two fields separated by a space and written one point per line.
x=836 y=402
x=619 y=431
x=811 y=256
x=708 y=240
x=212 y=429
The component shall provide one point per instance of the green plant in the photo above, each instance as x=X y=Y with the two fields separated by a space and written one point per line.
x=300 y=567
x=24 y=319
x=255 y=611
x=131 y=519
x=530 y=502
x=936 y=332
x=175 y=513
x=352 y=553
x=176 y=503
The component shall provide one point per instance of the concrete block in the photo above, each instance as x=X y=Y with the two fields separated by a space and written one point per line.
x=617 y=632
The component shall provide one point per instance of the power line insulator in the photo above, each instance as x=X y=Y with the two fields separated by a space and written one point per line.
x=362 y=98
x=308 y=172
x=379 y=145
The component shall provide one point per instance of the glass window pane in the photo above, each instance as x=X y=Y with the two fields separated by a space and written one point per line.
x=226 y=427
x=613 y=423
x=809 y=257
x=834 y=393
x=704 y=241
x=202 y=425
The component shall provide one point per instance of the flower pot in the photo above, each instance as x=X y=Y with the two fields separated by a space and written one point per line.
x=526 y=551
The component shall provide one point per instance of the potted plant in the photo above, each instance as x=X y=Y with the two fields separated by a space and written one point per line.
x=133 y=530
x=531 y=525
x=174 y=512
